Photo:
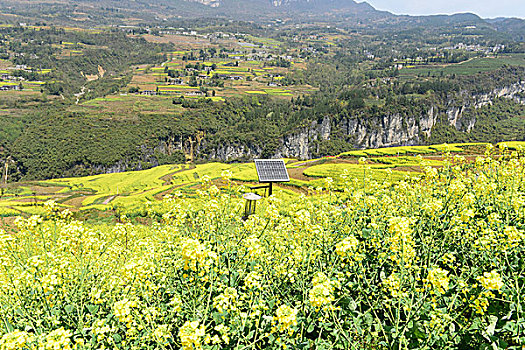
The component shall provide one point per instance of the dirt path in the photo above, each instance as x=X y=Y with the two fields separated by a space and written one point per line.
x=7 y=223
x=298 y=174
x=167 y=178
x=160 y=196
x=108 y=200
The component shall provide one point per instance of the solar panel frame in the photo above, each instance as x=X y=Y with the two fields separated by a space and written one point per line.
x=271 y=170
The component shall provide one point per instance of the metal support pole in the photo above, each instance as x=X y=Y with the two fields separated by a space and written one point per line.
x=249 y=208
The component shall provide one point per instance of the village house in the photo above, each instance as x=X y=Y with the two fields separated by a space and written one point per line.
x=148 y=92
x=168 y=92
x=195 y=93
x=175 y=81
x=9 y=87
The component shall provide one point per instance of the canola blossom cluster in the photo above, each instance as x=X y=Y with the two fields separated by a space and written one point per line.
x=435 y=261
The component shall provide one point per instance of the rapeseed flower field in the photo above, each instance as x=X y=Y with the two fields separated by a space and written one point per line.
x=433 y=261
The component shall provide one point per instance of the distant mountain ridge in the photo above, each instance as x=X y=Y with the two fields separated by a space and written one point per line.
x=235 y=9
x=338 y=12
x=275 y=7
x=282 y=3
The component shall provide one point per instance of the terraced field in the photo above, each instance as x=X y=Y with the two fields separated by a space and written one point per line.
x=473 y=66
x=133 y=190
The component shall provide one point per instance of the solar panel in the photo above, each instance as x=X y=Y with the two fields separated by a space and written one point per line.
x=271 y=170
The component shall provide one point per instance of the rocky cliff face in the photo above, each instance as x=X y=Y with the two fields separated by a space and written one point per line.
x=231 y=152
x=514 y=92
x=400 y=130
x=385 y=130
x=298 y=144
x=455 y=111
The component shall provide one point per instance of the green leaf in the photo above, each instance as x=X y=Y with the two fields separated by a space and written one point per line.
x=93 y=309
x=9 y=327
x=311 y=328
x=117 y=338
x=475 y=324
x=452 y=328
x=369 y=319
x=492 y=325
x=218 y=317
x=418 y=333
x=19 y=312
x=510 y=326
x=69 y=308
x=352 y=304
x=366 y=232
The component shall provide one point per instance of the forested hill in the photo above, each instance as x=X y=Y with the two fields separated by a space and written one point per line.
x=513 y=26
x=338 y=12
x=108 y=11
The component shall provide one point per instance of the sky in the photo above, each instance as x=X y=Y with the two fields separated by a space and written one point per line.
x=483 y=8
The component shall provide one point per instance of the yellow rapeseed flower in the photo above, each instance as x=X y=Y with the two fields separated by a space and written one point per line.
x=191 y=335
x=402 y=245
x=287 y=318
x=491 y=280
x=438 y=278
x=16 y=340
x=195 y=254
x=347 y=246
x=393 y=285
x=322 y=291
x=162 y=334
x=122 y=310
x=227 y=300
x=58 y=339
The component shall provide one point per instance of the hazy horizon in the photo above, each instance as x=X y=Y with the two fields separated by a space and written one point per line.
x=483 y=8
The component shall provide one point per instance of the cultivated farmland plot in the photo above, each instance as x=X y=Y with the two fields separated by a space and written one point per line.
x=430 y=260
